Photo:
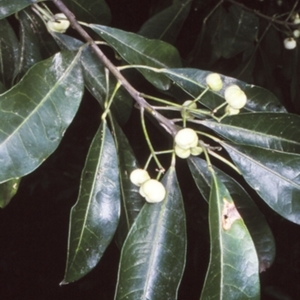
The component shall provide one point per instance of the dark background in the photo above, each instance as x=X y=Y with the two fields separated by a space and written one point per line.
x=34 y=226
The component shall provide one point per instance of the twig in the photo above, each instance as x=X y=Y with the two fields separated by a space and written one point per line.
x=166 y=123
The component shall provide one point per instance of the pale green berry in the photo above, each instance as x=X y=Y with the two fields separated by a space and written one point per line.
x=61 y=25
x=296 y=33
x=196 y=151
x=235 y=97
x=139 y=176
x=186 y=138
x=182 y=153
x=231 y=111
x=214 y=81
x=289 y=43
x=188 y=104
x=153 y=191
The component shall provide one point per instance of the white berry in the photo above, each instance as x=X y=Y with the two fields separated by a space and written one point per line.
x=196 y=151
x=235 y=97
x=296 y=33
x=289 y=43
x=153 y=191
x=186 y=138
x=214 y=81
x=139 y=176
x=61 y=25
x=182 y=153
x=231 y=111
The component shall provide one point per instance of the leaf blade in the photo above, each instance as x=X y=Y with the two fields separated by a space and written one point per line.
x=36 y=112
x=153 y=255
x=94 y=217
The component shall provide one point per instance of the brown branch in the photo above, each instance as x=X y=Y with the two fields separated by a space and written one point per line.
x=166 y=123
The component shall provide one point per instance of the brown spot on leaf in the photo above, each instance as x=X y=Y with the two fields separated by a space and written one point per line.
x=229 y=214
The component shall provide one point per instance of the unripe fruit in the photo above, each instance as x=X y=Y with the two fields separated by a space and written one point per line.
x=61 y=25
x=289 y=43
x=189 y=104
x=153 y=191
x=182 y=153
x=235 y=97
x=139 y=176
x=186 y=138
x=214 y=82
x=231 y=111
x=196 y=151
x=296 y=33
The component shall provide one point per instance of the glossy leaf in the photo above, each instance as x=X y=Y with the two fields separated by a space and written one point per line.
x=239 y=31
x=153 y=255
x=8 y=190
x=131 y=200
x=30 y=50
x=95 y=79
x=36 y=112
x=167 y=24
x=193 y=82
x=90 y=10
x=273 y=175
x=255 y=221
x=9 y=7
x=275 y=131
x=138 y=50
x=9 y=53
x=94 y=217
x=233 y=267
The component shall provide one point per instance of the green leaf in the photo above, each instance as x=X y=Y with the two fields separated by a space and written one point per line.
x=233 y=267
x=275 y=131
x=193 y=82
x=273 y=175
x=239 y=31
x=138 y=50
x=9 y=7
x=167 y=24
x=132 y=201
x=90 y=10
x=30 y=50
x=94 y=217
x=8 y=190
x=153 y=255
x=255 y=221
x=9 y=53
x=36 y=112
x=95 y=79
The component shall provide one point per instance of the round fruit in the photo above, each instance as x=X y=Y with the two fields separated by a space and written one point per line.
x=231 y=111
x=153 y=191
x=214 y=82
x=289 y=43
x=196 y=151
x=186 y=138
x=139 y=176
x=182 y=153
x=60 y=25
x=235 y=97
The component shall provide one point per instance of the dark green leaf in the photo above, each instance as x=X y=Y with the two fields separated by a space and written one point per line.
x=8 y=190
x=9 y=53
x=193 y=82
x=273 y=175
x=275 y=131
x=153 y=255
x=95 y=81
x=9 y=7
x=30 y=50
x=94 y=217
x=132 y=201
x=239 y=31
x=233 y=267
x=253 y=218
x=138 y=50
x=36 y=112
x=90 y=10
x=167 y=24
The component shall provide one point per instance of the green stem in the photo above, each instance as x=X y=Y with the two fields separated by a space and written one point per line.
x=108 y=103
